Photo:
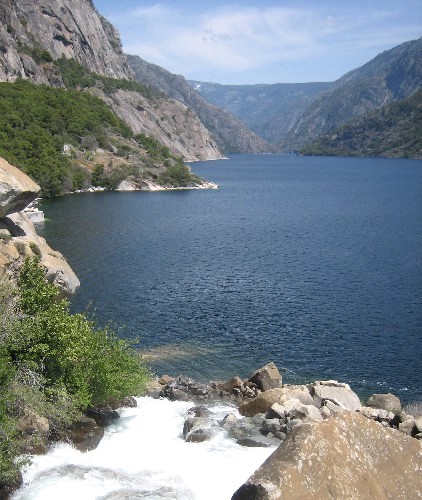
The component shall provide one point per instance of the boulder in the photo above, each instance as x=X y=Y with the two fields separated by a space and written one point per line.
x=35 y=431
x=267 y=377
x=85 y=434
x=229 y=385
x=17 y=190
x=418 y=423
x=296 y=409
x=345 y=456
x=387 y=402
x=336 y=392
x=102 y=416
x=263 y=402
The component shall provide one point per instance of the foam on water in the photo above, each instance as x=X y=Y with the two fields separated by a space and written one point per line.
x=144 y=455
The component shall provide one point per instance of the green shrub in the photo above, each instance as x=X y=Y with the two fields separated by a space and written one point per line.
x=54 y=363
x=177 y=175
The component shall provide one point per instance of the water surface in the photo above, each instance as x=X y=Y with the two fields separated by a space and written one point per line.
x=313 y=263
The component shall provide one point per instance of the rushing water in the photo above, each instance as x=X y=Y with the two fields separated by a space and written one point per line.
x=314 y=263
x=144 y=456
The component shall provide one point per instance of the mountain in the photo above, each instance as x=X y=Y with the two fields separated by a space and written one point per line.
x=230 y=134
x=269 y=110
x=392 y=75
x=395 y=130
x=68 y=44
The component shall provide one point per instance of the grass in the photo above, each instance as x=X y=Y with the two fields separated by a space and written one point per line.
x=414 y=409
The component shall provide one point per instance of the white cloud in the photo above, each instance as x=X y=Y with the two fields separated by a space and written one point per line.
x=234 y=38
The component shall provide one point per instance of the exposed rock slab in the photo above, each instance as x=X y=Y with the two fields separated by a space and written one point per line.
x=17 y=190
x=338 y=393
x=344 y=457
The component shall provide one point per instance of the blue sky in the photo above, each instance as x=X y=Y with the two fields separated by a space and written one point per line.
x=267 y=41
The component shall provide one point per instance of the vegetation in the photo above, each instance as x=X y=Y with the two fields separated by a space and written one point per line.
x=54 y=363
x=178 y=175
x=76 y=76
x=393 y=131
x=35 y=123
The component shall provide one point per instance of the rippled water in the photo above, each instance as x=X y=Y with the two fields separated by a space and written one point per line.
x=314 y=263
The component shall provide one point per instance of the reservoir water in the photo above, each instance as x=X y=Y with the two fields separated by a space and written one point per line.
x=313 y=263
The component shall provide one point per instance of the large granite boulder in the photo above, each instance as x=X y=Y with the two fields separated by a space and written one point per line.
x=336 y=392
x=267 y=377
x=387 y=402
x=345 y=456
x=17 y=190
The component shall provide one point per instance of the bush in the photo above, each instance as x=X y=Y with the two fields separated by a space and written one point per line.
x=55 y=363
x=177 y=175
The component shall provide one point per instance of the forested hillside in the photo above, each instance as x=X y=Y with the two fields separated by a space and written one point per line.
x=393 y=131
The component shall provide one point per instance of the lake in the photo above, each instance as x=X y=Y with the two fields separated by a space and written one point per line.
x=311 y=262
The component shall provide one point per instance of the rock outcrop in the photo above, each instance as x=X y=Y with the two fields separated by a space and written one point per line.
x=69 y=28
x=230 y=133
x=17 y=190
x=346 y=456
x=18 y=235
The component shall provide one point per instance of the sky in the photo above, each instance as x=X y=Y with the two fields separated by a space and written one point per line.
x=267 y=41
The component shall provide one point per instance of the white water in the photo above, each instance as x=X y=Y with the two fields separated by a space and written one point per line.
x=144 y=455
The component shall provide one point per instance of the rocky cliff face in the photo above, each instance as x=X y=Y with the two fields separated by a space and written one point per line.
x=69 y=28
x=18 y=238
x=167 y=120
x=34 y=33
x=230 y=133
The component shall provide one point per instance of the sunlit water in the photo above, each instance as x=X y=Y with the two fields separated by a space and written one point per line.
x=314 y=263
x=145 y=456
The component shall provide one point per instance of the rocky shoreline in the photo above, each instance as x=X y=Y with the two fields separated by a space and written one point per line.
x=298 y=421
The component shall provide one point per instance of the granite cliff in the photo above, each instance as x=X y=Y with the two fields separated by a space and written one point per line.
x=35 y=35
x=230 y=133
x=18 y=238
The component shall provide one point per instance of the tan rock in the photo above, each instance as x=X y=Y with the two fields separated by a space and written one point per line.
x=229 y=385
x=387 y=401
x=17 y=190
x=267 y=377
x=263 y=402
x=344 y=457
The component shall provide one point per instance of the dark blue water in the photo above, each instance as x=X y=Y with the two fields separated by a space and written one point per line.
x=313 y=263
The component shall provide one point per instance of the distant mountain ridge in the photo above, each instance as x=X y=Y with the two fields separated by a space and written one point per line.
x=270 y=110
x=230 y=133
x=392 y=75
x=393 y=131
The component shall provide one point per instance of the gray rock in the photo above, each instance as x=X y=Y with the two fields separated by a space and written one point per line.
x=267 y=377
x=388 y=402
x=198 y=436
x=408 y=427
x=336 y=392
x=296 y=409
x=258 y=441
x=85 y=434
x=418 y=423
x=103 y=416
